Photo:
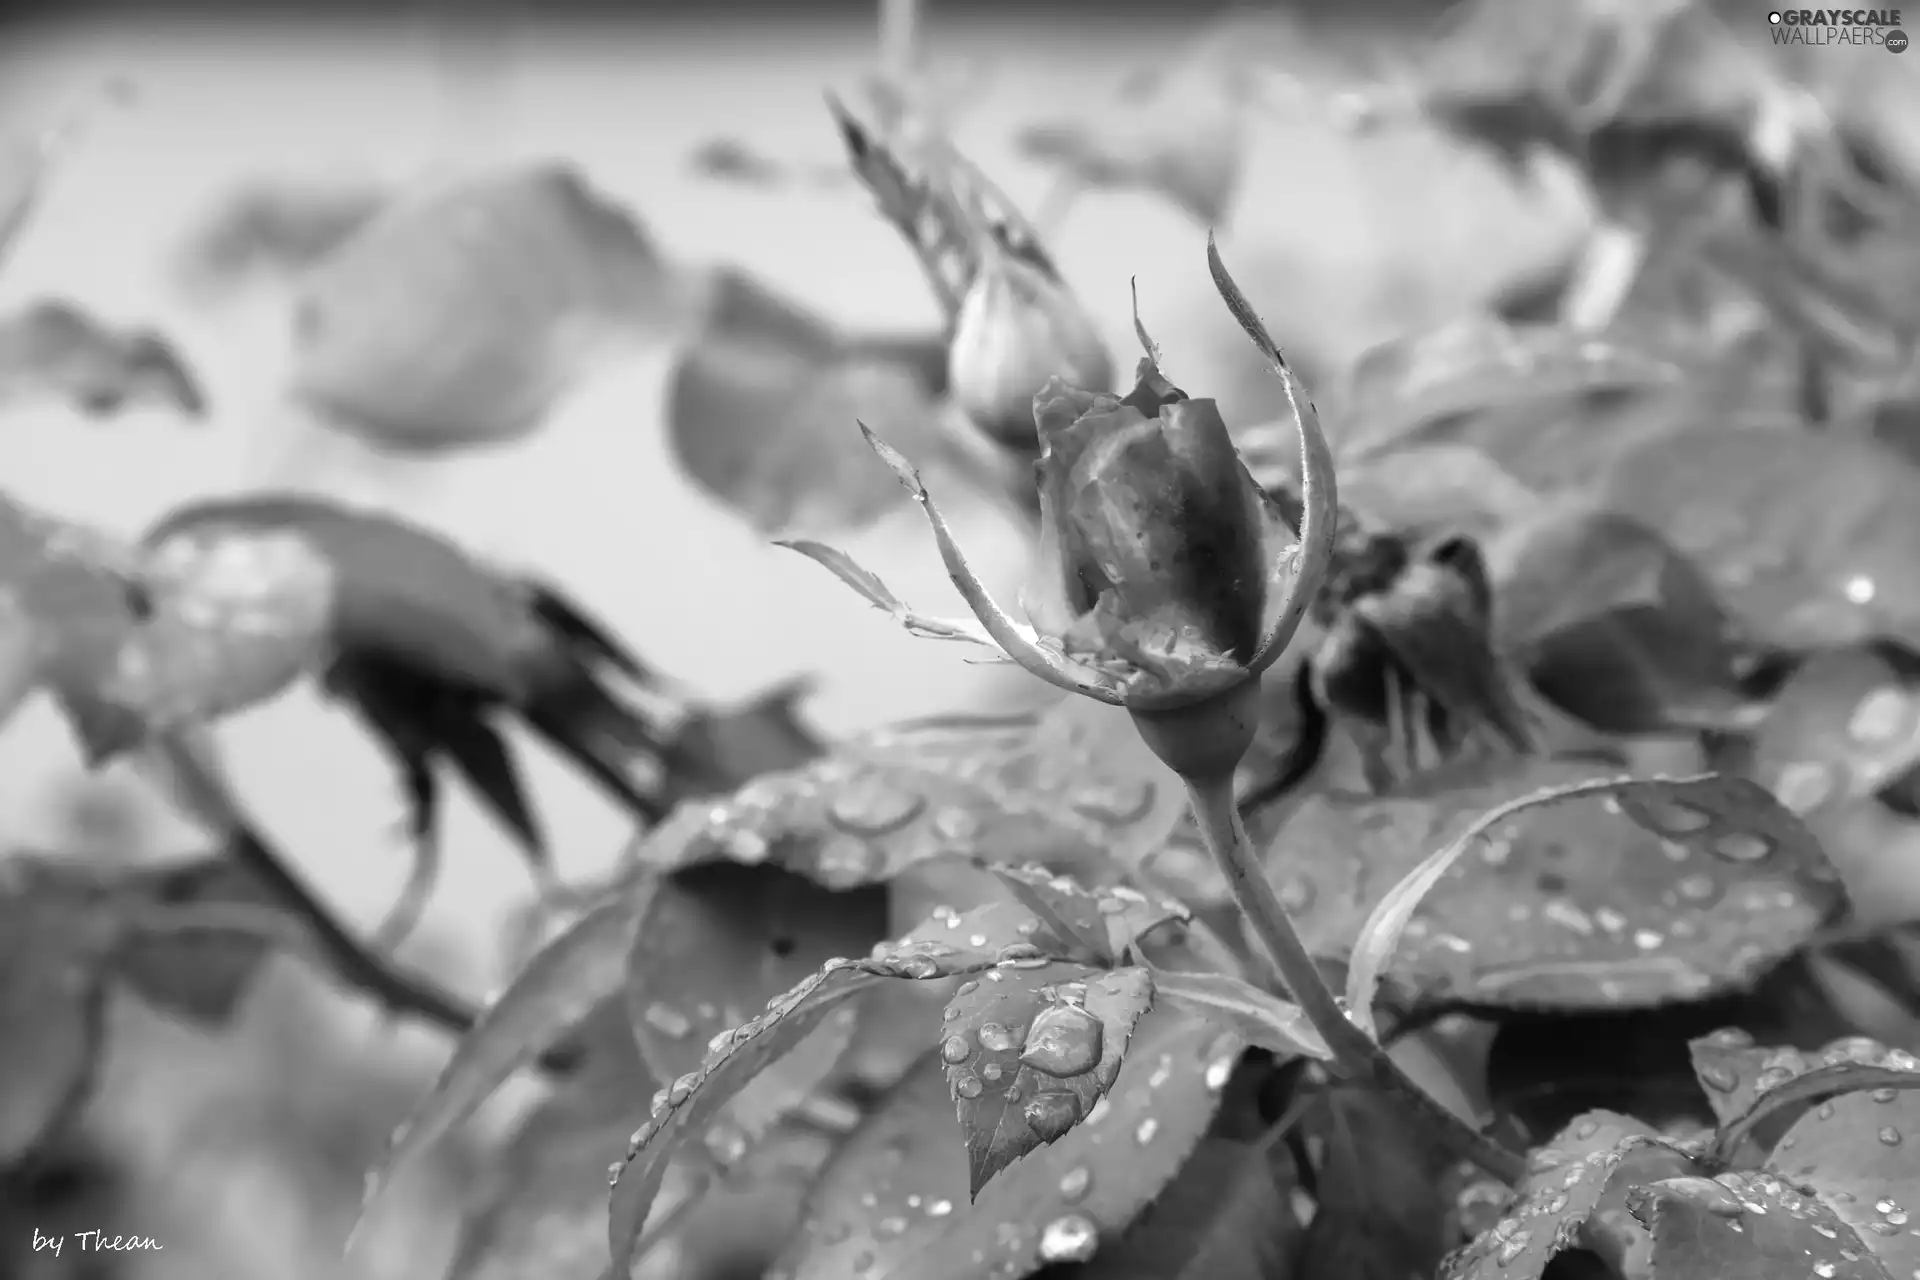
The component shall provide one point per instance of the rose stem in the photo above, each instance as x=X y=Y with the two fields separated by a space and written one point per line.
x=1358 y=1054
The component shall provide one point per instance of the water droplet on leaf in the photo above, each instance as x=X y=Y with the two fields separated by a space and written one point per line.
x=1072 y=1238
x=1065 y=1040
x=1051 y=1114
x=996 y=1037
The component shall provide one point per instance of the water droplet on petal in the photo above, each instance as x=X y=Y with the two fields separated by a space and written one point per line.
x=1146 y=1130
x=1065 y=1040
x=940 y=1208
x=1219 y=1071
x=967 y=1085
x=1052 y=1114
x=1073 y=1238
x=1075 y=1183
x=955 y=1049
x=1890 y=1136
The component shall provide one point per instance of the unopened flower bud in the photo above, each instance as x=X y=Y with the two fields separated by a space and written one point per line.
x=1018 y=327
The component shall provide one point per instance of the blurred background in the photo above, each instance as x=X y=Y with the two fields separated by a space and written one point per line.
x=242 y=1154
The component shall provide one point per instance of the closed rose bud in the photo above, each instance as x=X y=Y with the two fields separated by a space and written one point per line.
x=1017 y=327
x=1164 y=543
x=1183 y=582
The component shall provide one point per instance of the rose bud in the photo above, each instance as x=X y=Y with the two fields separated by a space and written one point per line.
x=1183 y=579
x=1018 y=326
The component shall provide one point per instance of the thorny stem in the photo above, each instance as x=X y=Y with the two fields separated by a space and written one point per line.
x=1357 y=1054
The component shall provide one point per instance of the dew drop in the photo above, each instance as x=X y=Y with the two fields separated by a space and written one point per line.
x=957 y=826
x=1672 y=818
x=1051 y=1114
x=1075 y=1183
x=1512 y=1247
x=940 y=1208
x=1880 y=717
x=1824 y=1270
x=1718 y=1076
x=1742 y=846
x=1072 y=1238
x=668 y=1021
x=1803 y=785
x=955 y=1049
x=1296 y=893
x=997 y=1037
x=870 y=807
x=1889 y=1136
x=1145 y=1131
x=991 y=1073
x=967 y=1085
x=1065 y=1040
x=1698 y=888
x=1115 y=806
x=1219 y=1071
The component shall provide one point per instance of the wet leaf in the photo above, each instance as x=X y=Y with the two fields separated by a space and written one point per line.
x=564 y=982
x=542 y=1211
x=59 y=933
x=1104 y=923
x=719 y=940
x=1589 y=892
x=230 y=619
x=460 y=315
x=732 y=1063
x=1071 y=788
x=1028 y=1052
x=1612 y=623
x=56 y=349
x=762 y=406
x=893 y=1203
x=1379 y=1210
x=1225 y=1216
x=1430 y=491
x=1403 y=391
x=199 y=975
x=1746 y=1225
x=1857 y=1154
x=64 y=606
x=68 y=926
x=1255 y=1016
x=1755 y=1091
x=276 y=226
x=1567 y=1183
x=1805 y=535
x=1842 y=728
